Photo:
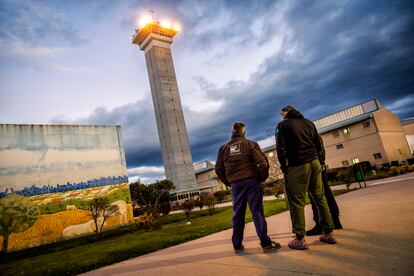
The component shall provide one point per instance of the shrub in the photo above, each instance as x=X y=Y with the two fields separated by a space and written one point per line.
x=394 y=170
x=268 y=191
x=209 y=200
x=146 y=221
x=395 y=163
x=220 y=195
x=199 y=203
x=279 y=188
x=187 y=207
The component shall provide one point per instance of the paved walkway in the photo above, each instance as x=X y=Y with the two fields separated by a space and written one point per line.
x=377 y=240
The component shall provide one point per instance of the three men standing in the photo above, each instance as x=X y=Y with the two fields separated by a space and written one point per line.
x=241 y=164
x=298 y=145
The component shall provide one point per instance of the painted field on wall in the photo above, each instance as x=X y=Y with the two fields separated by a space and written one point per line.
x=60 y=168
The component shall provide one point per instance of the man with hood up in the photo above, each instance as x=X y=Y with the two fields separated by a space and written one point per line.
x=297 y=145
x=241 y=164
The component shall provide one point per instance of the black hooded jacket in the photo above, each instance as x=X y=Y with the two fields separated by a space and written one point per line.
x=297 y=141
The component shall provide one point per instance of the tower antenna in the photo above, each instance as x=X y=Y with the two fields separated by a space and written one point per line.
x=151 y=11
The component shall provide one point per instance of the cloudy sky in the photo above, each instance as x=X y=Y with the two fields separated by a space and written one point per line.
x=72 y=62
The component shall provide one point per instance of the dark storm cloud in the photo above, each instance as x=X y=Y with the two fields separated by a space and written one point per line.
x=333 y=55
x=34 y=23
x=139 y=131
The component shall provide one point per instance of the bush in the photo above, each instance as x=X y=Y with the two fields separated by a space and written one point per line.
x=220 y=195
x=345 y=175
x=199 y=203
x=394 y=170
x=146 y=221
x=395 y=163
x=209 y=200
x=279 y=188
x=268 y=191
x=187 y=207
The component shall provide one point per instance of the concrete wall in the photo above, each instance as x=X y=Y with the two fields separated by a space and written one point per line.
x=392 y=135
x=50 y=155
x=408 y=130
x=60 y=168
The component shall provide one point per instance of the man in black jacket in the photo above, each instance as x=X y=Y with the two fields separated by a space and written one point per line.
x=333 y=206
x=297 y=145
x=241 y=164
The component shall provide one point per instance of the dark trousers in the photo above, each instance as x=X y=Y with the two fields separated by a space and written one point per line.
x=299 y=179
x=248 y=191
x=333 y=207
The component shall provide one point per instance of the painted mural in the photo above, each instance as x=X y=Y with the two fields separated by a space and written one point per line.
x=61 y=169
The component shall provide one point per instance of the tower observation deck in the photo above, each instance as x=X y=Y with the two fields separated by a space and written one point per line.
x=155 y=38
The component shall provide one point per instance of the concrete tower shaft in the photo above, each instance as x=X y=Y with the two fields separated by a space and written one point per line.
x=155 y=41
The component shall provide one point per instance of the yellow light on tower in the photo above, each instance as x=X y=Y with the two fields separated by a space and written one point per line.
x=166 y=24
x=144 y=21
x=176 y=27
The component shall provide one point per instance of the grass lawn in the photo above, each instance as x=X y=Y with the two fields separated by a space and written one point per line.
x=87 y=253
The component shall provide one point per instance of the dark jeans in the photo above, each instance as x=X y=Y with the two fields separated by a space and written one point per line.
x=299 y=179
x=248 y=191
x=333 y=207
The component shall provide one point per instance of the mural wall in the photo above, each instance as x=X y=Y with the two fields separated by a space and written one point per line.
x=61 y=168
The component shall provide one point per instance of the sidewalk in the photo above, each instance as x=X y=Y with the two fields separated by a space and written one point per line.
x=377 y=240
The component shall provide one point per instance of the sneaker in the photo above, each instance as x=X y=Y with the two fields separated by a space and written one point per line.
x=239 y=249
x=328 y=238
x=317 y=230
x=272 y=246
x=298 y=244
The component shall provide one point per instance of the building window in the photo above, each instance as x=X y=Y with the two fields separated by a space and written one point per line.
x=366 y=124
x=335 y=134
x=339 y=146
x=345 y=163
x=355 y=160
x=346 y=131
x=377 y=155
x=270 y=154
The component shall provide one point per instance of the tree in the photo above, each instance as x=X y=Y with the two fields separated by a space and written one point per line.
x=209 y=200
x=187 y=207
x=100 y=211
x=150 y=197
x=17 y=214
x=199 y=203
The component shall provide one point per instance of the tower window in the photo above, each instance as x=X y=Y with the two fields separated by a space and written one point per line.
x=346 y=130
x=339 y=146
x=345 y=163
x=355 y=160
x=366 y=124
x=335 y=134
